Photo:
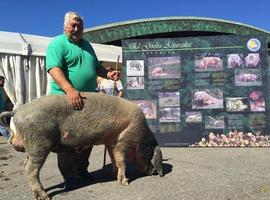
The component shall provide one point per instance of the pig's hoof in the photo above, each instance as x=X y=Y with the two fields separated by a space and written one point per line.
x=42 y=196
x=124 y=182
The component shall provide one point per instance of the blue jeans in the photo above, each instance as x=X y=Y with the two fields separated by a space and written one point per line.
x=4 y=132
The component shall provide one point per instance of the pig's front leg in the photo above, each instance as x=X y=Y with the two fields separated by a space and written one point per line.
x=110 y=151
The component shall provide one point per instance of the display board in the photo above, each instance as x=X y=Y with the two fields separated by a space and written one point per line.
x=188 y=87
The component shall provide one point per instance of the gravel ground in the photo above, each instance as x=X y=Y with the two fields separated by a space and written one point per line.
x=190 y=174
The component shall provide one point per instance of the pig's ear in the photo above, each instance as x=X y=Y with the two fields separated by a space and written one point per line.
x=157 y=161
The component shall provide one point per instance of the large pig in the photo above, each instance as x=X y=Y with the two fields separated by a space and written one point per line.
x=51 y=124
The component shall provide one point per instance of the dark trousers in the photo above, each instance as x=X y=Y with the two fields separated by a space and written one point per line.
x=71 y=164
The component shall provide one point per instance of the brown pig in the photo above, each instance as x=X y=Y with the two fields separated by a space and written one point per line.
x=51 y=124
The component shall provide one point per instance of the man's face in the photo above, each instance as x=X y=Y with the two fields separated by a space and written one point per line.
x=74 y=29
x=2 y=83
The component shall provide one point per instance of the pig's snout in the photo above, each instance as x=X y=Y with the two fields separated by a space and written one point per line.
x=17 y=143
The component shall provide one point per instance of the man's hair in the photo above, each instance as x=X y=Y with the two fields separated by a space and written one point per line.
x=71 y=15
x=2 y=77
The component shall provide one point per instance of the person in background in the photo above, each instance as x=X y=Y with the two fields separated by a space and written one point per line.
x=111 y=87
x=73 y=66
x=5 y=133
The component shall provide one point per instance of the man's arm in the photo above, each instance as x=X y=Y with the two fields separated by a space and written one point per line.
x=119 y=88
x=73 y=95
x=102 y=72
x=120 y=93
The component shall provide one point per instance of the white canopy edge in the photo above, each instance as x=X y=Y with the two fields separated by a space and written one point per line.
x=25 y=44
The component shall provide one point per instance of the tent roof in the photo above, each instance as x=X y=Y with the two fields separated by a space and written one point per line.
x=24 y=44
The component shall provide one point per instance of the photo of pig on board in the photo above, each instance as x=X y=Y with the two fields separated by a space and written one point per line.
x=169 y=99
x=214 y=122
x=257 y=102
x=248 y=77
x=148 y=107
x=135 y=68
x=164 y=67
x=207 y=99
x=199 y=85
x=208 y=62
x=193 y=117
x=235 y=60
x=135 y=83
x=252 y=60
x=169 y=115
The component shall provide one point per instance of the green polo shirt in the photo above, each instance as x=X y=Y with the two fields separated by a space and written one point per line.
x=78 y=62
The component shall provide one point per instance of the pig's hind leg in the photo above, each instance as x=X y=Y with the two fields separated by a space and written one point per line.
x=32 y=167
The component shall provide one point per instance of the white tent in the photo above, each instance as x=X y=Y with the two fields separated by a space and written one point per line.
x=22 y=62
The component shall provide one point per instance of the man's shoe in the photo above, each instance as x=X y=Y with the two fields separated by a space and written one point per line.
x=85 y=175
x=71 y=183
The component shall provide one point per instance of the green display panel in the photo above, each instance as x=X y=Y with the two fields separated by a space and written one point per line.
x=189 y=87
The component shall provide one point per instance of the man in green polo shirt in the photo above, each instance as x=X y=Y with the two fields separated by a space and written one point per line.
x=73 y=65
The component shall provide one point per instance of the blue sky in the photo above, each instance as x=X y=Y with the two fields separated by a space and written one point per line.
x=45 y=17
